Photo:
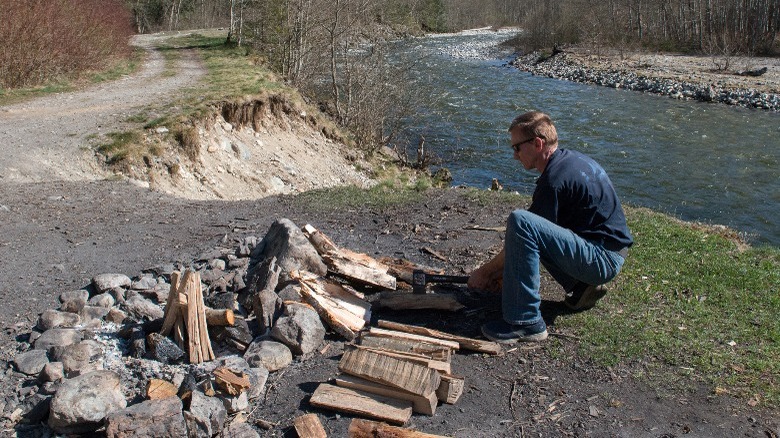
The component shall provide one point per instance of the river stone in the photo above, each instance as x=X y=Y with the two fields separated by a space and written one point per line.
x=119 y=294
x=102 y=300
x=141 y=308
x=31 y=362
x=292 y=250
x=144 y=283
x=151 y=418
x=80 y=358
x=52 y=372
x=106 y=282
x=240 y=430
x=300 y=329
x=209 y=411
x=270 y=355
x=73 y=301
x=92 y=316
x=58 y=337
x=51 y=318
x=81 y=403
x=116 y=316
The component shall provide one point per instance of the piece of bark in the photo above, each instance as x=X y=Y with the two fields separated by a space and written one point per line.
x=465 y=343
x=230 y=381
x=360 y=428
x=362 y=403
x=309 y=426
x=390 y=371
x=450 y=388
x=220 y=317
x=157 y=389
x=432 y=351
x=443 y=367
x=408 y=301
x=421 y=404
x=453 y=345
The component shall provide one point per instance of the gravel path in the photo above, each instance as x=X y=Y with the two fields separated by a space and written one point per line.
x=45 y=139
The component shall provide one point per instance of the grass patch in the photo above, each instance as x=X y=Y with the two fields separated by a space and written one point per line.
x=126 y=147
x=691 y=300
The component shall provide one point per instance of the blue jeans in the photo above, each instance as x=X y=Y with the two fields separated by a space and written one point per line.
x=531 y=239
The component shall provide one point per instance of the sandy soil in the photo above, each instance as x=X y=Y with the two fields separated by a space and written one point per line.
x=61 y=224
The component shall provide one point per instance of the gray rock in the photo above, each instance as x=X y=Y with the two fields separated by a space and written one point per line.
x=270 y=355
x=291 y=292
x=196 y=427
x=116 y=316
x=163 y=349
x=119 y=294
x=51 y=318
x=257 y=376
x=152 y=418
x=58 y=337
x=141 y=308
x=144 y=282
x=73 y=301
x=209 y=411
x=102 y=300
x=106 y=282
x=300 y=329
x=267 y=307
x=52 y=372
x=92 y=317
x=80 y=358
x=292 y=250
x=234 y=404
x=82 y=403
x=240 y=430
x=31 y=362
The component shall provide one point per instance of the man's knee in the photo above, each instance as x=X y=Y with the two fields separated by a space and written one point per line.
x=520 y=221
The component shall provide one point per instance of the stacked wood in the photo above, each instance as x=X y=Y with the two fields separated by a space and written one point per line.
x=403 y=269
x=341 y=309
x=420 y=403
x=390 y=371
x=409 y=301
x=463 y=342
x=309 y=426
x=450 y=388
x=349 y=264
x=360 y=428
x=185 y=316
x=362 y=403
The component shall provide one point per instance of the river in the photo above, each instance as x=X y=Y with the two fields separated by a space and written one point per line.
x=700 y=162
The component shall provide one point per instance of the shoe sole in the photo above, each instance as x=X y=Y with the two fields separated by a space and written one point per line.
x=536 y=337
x=589 y=298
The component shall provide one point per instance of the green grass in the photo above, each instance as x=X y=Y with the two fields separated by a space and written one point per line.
x=691 y=301
x=121 y=146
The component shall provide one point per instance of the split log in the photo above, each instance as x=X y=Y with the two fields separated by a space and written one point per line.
x=466 y=343
x=343 y=312
x=374 y=331
x=220 y=317
x=421 y=404
x=390 y=371
x=309 y=426
x=443 y=367
x=362 y=403
x=407 y=301
x=432 y=351
x=450 y=388
x=230 y=381
x=157 y=389
x=403 y=269
x=360 y=428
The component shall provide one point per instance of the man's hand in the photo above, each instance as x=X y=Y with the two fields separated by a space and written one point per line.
x=488 y=277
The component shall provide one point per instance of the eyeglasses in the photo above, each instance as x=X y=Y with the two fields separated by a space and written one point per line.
x=516 y=146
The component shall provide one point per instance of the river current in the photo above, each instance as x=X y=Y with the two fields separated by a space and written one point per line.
x=697 y=161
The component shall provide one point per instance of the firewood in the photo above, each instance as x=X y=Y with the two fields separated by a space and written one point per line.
x=362 y=403
x=360 y=428
x=172 y=304
x=421 y=404
x=309 y=426
x=336 y=312
x=466 y=343
x=432 y=351
x=414 y=337
x=193 y=328
x=397 y=373
x=450 y=388
x=220 y=317
x=231 y=382
x=408 y=301
x=402 y=269
x=437 y=365
x=207 y=353
x=157 y=389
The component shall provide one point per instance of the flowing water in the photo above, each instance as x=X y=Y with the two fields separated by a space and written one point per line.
x=697 y=161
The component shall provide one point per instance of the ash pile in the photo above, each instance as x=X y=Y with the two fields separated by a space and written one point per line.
x=184 y=350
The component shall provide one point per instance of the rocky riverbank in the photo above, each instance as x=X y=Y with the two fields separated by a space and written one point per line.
x=679 y=77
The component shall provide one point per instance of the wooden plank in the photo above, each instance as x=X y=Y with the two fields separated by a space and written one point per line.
x=466 y=343
x=362 y=403
x=390 y=371
x=450 y=388
x=172 y=304
x=421 y=404
x=207 y=353
x=413 y=337
x=309 y=426
x=408 y=301
x=360 y=428
x=433 y=351
x=443 y=367
x=193 y=334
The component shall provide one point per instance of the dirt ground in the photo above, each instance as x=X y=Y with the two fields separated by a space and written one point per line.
x=56 y=233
